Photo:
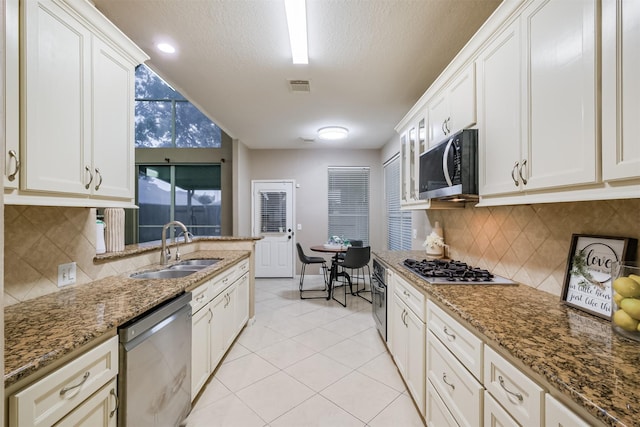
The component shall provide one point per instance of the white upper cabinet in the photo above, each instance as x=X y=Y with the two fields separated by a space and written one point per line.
x=11 y=96
x=620 y=89
x=560 y=86
x=499 y=106
x=77 y=76
x=453 y=108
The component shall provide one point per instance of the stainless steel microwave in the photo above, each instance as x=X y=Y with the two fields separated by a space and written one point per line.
x=449 y=170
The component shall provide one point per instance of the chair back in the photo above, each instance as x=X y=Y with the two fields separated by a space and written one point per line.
x=357 y=257
x=301 y=254
x=356 y=243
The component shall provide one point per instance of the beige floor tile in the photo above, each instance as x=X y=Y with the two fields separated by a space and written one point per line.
x=275 y=395
x=213 y=391
x=227 y=412
x=257 y=336
x=318 y=339
x=244 y=371
x=351 y=353
x=360 y=395
x=371 y=338
x=236 y=351
x=285 y=353
x=348 y=326
x=384 y=370
x=318 y=371
x=317 y=412
x=401 y=412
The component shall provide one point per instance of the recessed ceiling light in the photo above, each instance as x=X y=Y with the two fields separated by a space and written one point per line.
x=166 y=48
x=333 y=133
x=297 y=21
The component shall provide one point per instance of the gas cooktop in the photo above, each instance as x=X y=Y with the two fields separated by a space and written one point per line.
x=440 y=272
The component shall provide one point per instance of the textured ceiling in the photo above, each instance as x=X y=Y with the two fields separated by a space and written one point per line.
x=369 y=61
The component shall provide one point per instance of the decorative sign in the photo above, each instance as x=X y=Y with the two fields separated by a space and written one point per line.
x=587 y=284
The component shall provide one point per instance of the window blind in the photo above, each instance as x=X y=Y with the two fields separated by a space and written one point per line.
x=398 y=221
x=348 y=201
x=273 y=211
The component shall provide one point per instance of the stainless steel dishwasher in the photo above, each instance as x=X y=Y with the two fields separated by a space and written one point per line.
x=154 y=380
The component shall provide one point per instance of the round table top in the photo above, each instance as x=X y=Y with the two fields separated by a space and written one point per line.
x=330 y=249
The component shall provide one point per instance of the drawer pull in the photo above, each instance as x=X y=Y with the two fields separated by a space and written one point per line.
x=69 y=388
x=453 y=336
x=444 y=379
x=199 y=298
x=115 y=396
x=516 y=395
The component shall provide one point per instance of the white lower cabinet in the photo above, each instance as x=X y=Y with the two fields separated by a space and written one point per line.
x=101 y=409
x=558 y=415
x=78 y=393
x=518 y=394
x=495 y=415
x=220 y=311
x=437 y=413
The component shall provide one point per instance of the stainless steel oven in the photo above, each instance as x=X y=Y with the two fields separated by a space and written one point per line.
x=379 y=297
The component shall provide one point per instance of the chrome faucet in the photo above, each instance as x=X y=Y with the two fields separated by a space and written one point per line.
x=165 y=255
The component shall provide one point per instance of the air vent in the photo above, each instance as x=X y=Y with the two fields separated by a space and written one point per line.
x=299 y=85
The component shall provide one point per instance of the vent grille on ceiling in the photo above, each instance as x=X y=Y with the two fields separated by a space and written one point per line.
x=299 y=85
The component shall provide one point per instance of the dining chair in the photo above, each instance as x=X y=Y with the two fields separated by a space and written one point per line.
x=306 y=260
x=356 y=259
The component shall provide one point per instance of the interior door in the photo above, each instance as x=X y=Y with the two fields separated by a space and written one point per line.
x=273 y=220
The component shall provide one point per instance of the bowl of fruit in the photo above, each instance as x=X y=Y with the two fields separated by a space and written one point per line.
x=625 y=315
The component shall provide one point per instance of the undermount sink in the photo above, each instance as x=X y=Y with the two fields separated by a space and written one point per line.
x=197 y=262
x=163 y=274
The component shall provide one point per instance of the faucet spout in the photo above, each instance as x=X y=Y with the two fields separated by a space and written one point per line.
x=165 y=255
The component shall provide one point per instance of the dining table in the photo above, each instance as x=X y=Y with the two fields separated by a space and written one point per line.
x=336 y=250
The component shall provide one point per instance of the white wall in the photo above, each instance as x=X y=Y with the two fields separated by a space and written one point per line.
x=241 y=169
x=308 y=167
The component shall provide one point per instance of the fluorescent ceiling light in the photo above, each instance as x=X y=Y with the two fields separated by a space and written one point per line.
x=332 y=133
x=166 y=48
x=297 y=21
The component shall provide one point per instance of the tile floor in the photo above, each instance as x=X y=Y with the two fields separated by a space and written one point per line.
x=305 y=363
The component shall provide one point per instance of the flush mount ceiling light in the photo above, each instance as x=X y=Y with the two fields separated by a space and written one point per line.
x=333 y=133
x=297 y=22
x=166 y=48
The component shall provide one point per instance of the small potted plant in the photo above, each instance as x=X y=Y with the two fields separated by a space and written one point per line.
x=434 y=245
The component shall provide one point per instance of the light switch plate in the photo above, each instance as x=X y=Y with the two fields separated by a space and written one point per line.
x=299 y=227
x=66 y=274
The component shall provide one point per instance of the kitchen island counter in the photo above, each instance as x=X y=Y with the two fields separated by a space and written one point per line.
x=567 y=351
x=44 y=330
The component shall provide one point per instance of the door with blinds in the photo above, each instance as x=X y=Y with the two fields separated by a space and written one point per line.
x=273 y=220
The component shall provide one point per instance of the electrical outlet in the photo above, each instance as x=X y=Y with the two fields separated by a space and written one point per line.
x=415 y=233
x=66 y=274
x=299 y=227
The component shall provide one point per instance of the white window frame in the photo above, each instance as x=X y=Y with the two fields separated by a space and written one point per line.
x=399 y=222
x=348 y=202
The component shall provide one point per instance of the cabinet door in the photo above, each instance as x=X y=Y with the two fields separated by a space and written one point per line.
x=241 y=309
x=438 y=113
x=404 y=167
x=495 y=416
x=218 y=333
x=113 y=146
x=620 y=89
x=437 y=414
x=200 y=349
x=100 y=410
x=400 y=336
x=56 y=90
x=416 y=377
x=499 y=105
x=558 y=415
x=11 y=106
x=462 y=100
x=560 y=92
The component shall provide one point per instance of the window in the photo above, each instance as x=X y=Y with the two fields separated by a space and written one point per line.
x=349 y=203
x=398 y=221
x=164 y=118
x=190 y=194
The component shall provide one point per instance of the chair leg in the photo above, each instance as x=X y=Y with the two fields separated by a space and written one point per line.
x=301 y=286
x=364 y=283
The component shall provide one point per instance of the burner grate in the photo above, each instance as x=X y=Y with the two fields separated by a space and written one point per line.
x=452 y=271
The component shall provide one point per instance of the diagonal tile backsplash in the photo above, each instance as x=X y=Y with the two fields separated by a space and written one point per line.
x=530 y=243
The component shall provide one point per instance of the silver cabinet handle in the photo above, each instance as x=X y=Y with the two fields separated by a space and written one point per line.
x=88 y=169
x=211 y=313
x=446 y=331
x=444 y=379
x=513 y=174
x=516 y=395
x=200 y=297
x=99 y=175
x=115 y=396
x=444 y=132
x=13 y=155
x=446 y=125
x=69 y=388
x=524 y=164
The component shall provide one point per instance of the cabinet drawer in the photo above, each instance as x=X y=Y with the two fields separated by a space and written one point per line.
x=200 y=296
x=412 y=297
x=516 y=392
x=242 y=268
x=558 y=415
x=222 y=281
x=48 y=400
x=495 y=415
x=437 y=413
x=462 y=343
x=459 y=390
x=100 y=410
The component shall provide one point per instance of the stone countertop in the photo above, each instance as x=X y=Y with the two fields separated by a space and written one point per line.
x=42 y=330
x=575 y=353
